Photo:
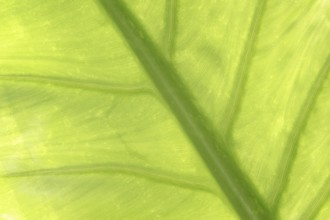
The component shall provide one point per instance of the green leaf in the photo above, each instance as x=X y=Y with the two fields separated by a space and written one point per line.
x=167 y=109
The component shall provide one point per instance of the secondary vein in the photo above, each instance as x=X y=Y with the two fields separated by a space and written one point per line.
x=170 y=27
x=242 y=70
x=151 y=174
x=315 y=205
x=76 y=83
x=291 y=147
x=242 y=194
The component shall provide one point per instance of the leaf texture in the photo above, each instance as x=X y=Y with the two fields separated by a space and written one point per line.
x=169 y=109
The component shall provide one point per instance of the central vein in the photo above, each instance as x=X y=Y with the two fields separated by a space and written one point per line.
x=234 y=183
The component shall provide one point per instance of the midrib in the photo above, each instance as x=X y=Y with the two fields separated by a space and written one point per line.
x=235 y=184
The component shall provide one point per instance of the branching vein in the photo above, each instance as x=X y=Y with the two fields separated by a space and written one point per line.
x=170 y=27
x=108 y=168
x=315 y=205
x=242 y=70
x=76 y=83
x=290 y=151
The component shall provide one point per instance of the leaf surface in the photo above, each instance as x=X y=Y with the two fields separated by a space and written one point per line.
x=165 y=110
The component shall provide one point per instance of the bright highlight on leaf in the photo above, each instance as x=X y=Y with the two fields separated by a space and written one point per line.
x=169 y=109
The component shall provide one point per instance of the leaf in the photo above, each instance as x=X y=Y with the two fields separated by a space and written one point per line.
x=165 y=109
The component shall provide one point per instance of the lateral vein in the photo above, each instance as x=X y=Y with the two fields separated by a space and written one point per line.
x=291 y=147
x=170 y=27
x=107 y=168
x=314 y=207
x=242 y=69
x=76 y=83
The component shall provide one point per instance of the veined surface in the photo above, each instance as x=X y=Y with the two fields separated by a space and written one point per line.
x=86 y=133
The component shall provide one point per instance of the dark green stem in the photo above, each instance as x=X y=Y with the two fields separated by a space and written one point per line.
x=237 y=187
